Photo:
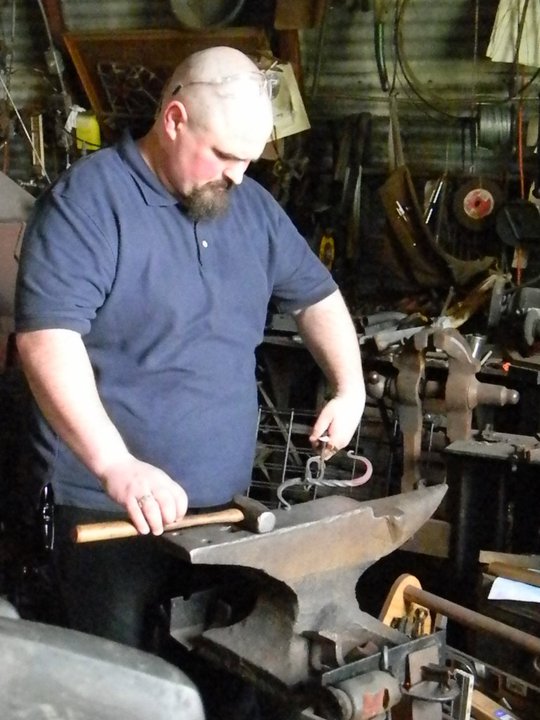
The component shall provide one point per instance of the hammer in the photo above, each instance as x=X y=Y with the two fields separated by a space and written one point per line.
x=248 y=512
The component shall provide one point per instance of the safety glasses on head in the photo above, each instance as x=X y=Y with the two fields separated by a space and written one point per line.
x=268 y=81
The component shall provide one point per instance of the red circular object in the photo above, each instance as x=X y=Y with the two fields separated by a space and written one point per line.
x=478 y=203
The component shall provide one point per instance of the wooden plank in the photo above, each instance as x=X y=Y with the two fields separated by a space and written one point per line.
x=518 y=560
x=298 y=15
x=484 y=708
x=510 y=572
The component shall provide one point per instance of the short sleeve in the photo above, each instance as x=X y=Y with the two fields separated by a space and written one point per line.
x=66 y=268
x=300 y=278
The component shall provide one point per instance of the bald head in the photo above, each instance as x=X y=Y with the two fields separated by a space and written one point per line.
x=210 y=66
x=220 y=88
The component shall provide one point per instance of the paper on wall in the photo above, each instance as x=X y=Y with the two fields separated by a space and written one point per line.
x=290 y=115
x=503 y=589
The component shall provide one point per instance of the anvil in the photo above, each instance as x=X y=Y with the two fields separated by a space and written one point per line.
x=305 y=618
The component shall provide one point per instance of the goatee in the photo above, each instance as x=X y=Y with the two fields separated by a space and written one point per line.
x=208 y=201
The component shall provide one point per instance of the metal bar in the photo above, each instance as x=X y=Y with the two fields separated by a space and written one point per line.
x=391 y=658
x=472 y=619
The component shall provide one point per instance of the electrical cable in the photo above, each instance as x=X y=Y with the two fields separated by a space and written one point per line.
x=413 y=83
x=521 y=27
x=8 y=71
x=52 y=47
x=319 y=50
x=511 y=290
x=408 y=75
x=526 y=85
x=9 y=54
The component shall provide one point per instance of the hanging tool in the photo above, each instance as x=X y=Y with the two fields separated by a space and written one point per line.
x=434 y=198
x=320 y=47
x=360 y=129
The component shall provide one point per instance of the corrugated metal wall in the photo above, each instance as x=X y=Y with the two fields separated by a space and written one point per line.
x=24 y=79
x=32 y=86
x=443 y=45
x=117 y=14
x=442 y=48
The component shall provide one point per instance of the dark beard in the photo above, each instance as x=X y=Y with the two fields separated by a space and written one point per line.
x=209 y=201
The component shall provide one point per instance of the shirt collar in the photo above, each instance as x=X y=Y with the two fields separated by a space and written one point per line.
x=152 y=190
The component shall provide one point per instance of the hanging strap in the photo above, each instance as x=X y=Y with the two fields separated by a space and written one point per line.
x=396 y=158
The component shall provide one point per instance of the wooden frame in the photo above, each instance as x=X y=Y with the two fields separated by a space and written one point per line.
x=155 y=51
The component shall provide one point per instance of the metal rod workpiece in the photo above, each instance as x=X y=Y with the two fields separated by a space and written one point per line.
x=472 y=619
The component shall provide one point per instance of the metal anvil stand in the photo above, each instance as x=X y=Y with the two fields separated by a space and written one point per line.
x=482 y=473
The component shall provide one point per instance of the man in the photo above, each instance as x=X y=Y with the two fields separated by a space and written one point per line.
x=142 y=293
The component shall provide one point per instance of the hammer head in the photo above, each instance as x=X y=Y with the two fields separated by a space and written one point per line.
x=257 y=517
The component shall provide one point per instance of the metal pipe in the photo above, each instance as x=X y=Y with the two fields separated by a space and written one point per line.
x=472 y=619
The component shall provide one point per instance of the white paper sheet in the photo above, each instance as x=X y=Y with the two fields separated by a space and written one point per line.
x=503 y=589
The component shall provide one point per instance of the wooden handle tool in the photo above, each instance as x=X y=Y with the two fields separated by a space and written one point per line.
x=116 y=529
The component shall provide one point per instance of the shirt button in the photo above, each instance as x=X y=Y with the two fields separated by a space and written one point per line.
x=204 y=244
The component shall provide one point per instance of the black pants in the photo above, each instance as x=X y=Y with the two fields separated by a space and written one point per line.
x=110 y=588
x=117 y=589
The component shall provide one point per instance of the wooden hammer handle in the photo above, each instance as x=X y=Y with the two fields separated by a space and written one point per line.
x=116 y=529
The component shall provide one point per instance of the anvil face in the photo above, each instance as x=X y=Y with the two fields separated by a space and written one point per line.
x=315 y=537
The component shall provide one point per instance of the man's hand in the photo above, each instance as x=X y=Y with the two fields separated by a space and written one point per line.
x=151 y=498
x=338 y=421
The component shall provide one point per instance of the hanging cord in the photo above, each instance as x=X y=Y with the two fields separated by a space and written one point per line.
x=520 y=149
x=396 y=155
x=8 y=70
x=472 y=127
x=519 y=250
x=408 y=75
x=53 y=49
x=475 y=47
x=320 y=49
x=520 y=30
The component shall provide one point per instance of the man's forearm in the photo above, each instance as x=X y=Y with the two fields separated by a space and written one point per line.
x=329 y=334
x=61 y=379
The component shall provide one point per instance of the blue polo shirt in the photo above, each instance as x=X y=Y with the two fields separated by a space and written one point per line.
x=170 y=311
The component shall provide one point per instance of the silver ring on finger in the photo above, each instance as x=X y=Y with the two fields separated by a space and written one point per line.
x=143 y=499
